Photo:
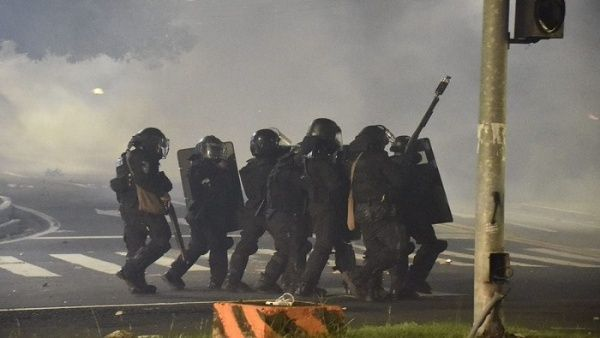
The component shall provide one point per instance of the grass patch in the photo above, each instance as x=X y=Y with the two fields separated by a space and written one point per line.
x=447 y=330
x=431 y=330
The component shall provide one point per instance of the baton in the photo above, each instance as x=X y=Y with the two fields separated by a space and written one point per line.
x=177 y=229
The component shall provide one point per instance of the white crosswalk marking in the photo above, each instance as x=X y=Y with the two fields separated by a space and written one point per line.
x=89 y=262
x=553 y=261
x=167 y=260
x=513 y=263
x=564 y=254
x=268 y=252
x=19 y=267
x=439 y=260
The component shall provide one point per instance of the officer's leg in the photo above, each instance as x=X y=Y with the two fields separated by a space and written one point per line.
x=278 y=228
x=134 y=231
x=376 y=291
x=345 y=258
x=425 y=257
x=247 y=246
x=133 y=271
x=324 y=239
x=219 y=243
x=196 y=247
x=382 y=240
x=398 y=273
x=298 y=249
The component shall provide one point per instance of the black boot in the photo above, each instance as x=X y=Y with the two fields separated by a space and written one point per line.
x=233 y=285
x=355 y=283
x=267 y=285
x=376 y=291
x=136 y=282
x=174 y=280
x=214 y=284
x=308 y=290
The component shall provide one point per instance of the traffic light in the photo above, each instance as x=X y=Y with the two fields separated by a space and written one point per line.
x=538 y=19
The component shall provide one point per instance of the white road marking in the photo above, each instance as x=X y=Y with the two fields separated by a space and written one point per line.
x=89 y=262
x=53 y=225
x=468 y=256
x=564 y=254
x=268 y=252
x=529 y=226
x=167 y=260
x=112 y=212
x=549 y=260
x=78 y=237
x=19 y=267
x=411 y=256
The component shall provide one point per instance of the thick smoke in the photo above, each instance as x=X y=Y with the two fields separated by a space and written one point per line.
x=194 y=68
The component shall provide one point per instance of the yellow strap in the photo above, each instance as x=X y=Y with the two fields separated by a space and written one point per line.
x=350 y=218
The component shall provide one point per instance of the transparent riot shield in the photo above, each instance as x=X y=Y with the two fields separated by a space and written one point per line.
x=432 y=206
x=183 y=158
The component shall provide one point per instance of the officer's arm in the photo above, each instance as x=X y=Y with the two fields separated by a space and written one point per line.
x=146 y=175
x=394 y=173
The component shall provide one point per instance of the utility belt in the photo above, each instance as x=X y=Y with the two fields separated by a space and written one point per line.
x=374 y=210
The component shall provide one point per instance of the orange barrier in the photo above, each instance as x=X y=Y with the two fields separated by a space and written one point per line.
x=255 y=319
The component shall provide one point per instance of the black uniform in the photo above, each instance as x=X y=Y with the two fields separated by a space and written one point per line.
x=377 y=181
x=211 y=215
x=144 y=166
x=286 y=223
x=134 y=230
x=418 y=227
x=254 y=178
x=327 y=188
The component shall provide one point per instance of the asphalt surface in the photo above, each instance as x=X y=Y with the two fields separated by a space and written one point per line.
x=58 y=277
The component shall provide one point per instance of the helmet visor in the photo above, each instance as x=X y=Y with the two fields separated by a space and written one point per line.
x=163 y=147
x=213 y=151
x=388 y=134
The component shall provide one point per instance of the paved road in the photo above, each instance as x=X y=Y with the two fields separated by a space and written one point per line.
x=63 y=275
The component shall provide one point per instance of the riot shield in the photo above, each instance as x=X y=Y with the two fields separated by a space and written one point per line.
x=431 y=204
x=183 y=158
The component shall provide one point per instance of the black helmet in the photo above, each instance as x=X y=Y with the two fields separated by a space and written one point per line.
x=151 y=140
x=399 y=144
x=210 y=147
x=264 y=142
x=376 y=136
x=325 y=133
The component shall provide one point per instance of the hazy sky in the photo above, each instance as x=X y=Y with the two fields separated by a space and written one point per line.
x=229 y=67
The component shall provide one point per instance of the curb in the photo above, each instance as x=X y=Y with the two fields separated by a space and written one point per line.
x=11 y=228
x=6 y=209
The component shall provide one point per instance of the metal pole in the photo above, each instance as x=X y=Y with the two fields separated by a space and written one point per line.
x=489 y=232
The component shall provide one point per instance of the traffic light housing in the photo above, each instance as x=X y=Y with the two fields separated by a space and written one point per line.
x=538 y=19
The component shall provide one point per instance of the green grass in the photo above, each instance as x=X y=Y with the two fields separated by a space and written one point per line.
x=435 y=330
x=413 y=330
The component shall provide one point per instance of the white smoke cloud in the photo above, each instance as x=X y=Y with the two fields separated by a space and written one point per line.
x=230 y=68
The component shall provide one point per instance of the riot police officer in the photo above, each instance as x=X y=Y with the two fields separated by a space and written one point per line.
x=145 y=150
x=286 y=223
x=211 y=213
x=375 y=182
x=134 y=230
x=327 y=192
x=416 y=217
x=265 y=149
